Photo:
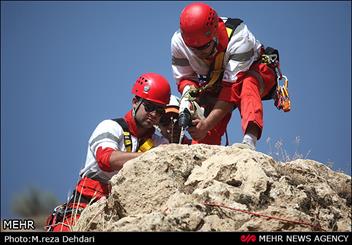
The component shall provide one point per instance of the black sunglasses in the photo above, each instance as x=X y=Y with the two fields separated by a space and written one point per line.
x=150 y=107
x=205 y=46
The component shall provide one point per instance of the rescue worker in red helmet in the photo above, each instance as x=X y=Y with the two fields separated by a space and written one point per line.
x=112 y=143
x=243 y=81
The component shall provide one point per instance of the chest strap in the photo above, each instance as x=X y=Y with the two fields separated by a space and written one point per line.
x=126 y=133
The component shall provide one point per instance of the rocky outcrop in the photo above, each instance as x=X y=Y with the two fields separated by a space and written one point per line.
x=216 y=188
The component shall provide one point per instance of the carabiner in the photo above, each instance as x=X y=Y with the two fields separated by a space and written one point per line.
x=284 y=78
x=282 y=99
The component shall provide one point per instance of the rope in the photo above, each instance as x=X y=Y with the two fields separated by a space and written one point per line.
x=318 y=227
x=227 y=138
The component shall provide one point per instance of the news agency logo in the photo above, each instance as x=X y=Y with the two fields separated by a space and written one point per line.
x=294 y=238
x=248 y=238
x=18 y=224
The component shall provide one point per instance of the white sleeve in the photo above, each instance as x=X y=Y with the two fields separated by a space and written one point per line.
x=242 y=51
x=181 y=67
x=108 y=133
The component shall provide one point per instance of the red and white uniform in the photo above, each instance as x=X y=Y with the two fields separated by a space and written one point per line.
x=107 y=137
x=94 y=183
x=238 y=87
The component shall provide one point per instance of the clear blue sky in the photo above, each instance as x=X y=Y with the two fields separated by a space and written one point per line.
x=65 y=66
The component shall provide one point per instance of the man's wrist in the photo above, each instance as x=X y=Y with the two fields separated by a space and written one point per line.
x=207 y=124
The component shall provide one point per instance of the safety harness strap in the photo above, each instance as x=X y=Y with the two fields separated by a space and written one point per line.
x=126 y=133
x=216 y=70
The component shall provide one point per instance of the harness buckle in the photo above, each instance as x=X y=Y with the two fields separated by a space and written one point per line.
x=269 y=58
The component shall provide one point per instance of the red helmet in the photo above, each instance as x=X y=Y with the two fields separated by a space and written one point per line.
x=152 y=87
x=198 y=24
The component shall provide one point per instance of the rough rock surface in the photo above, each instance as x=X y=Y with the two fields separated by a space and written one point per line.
x=216 y=188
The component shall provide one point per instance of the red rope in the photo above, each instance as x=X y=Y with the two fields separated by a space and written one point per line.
x=263 y=215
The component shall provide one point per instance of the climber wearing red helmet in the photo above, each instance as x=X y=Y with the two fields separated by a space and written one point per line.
x=114 y=142
x=219 y=58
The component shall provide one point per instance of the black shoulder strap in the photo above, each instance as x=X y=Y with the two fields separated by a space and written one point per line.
x=126 y=133
x=272 y=51
x=122 y=123
x=232 y=24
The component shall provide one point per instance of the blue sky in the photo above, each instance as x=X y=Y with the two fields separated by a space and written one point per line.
x=65 y=66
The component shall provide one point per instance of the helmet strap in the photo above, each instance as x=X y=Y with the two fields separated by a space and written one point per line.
x=216 y=42
x=134 y=111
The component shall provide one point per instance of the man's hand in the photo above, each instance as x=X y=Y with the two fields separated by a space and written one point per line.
x=193 y=92
x=202 y=126
x=199 y=130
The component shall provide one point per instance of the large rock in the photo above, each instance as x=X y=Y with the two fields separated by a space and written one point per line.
x=216 y=188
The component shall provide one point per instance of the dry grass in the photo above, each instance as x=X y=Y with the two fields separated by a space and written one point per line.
x=278 y=150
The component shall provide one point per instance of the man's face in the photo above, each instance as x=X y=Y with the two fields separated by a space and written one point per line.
x=204 y=51
x=148 y=113
x=169 y=127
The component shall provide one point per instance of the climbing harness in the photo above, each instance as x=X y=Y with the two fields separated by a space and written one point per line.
x=144 y=146
x=60 y=213
x=126 y=133
x=147 y=145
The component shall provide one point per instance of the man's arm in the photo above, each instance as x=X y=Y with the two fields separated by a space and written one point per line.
x=118 y=158
x=104 y=144
x=199 y=131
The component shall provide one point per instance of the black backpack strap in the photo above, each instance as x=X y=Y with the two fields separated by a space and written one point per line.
x=269 y=54
x=122 y=123
x=232 y=24
x=126 y=133
x=272 y=51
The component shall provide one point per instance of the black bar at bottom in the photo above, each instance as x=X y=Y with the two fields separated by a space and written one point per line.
x=171 y=237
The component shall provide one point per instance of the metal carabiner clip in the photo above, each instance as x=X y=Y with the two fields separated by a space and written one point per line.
x=272 y=58
x=282 y=99
x=283 y=78
x=286 y=102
